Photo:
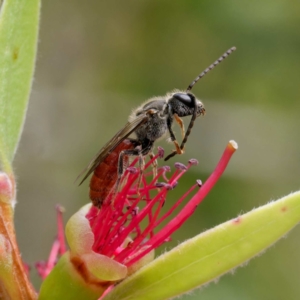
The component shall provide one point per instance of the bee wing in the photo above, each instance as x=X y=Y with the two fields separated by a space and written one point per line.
x=112 y=144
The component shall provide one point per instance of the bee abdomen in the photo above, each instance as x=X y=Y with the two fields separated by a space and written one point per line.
x=105 y=175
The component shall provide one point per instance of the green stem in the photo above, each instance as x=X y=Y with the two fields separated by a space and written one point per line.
x=14 y=283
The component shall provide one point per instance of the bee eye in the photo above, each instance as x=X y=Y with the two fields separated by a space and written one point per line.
x=184 y=98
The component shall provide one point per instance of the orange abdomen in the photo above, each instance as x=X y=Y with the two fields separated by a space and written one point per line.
x=106 y=174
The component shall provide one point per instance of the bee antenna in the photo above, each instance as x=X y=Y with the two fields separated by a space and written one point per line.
x=219 y=60
x=194 y=116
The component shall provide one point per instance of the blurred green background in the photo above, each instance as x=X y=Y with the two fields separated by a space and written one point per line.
x=98 y=60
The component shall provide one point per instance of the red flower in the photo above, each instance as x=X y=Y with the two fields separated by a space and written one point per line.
x=119 y=228
x=110 y=243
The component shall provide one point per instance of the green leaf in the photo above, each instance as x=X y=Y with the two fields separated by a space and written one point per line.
x=211 y=254
x=19 y=21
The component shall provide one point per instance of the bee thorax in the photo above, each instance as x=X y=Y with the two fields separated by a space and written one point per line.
x=153 y=129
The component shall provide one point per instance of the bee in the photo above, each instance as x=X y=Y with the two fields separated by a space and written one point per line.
x=149 y=122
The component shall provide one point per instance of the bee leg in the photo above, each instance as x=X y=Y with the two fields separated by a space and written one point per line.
x=154 y=164
x=173 y=138
x=141 y=168
x=181 y=124
x=122 y=167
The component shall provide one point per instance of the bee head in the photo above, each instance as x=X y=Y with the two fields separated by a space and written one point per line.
x=183 y=104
